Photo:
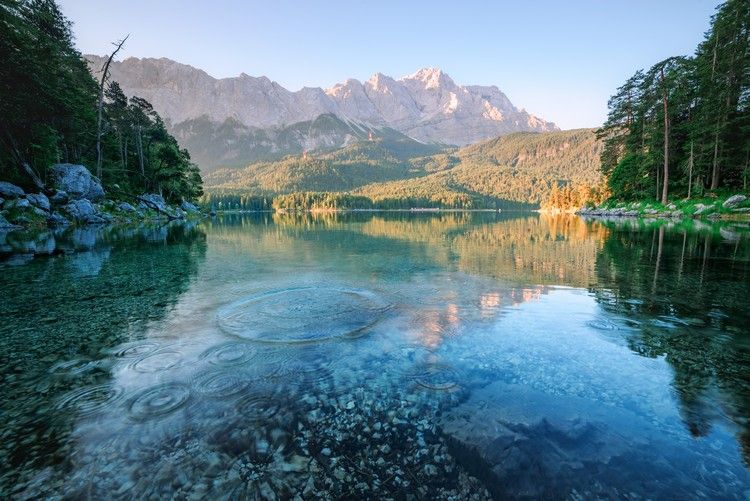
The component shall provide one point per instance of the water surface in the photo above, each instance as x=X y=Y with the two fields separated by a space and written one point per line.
x=377 y=355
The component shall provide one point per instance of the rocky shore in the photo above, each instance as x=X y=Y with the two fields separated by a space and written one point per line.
x=733 y=207
x=75 y=197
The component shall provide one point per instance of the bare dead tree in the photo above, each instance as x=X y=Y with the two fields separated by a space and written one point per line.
x=102 y=82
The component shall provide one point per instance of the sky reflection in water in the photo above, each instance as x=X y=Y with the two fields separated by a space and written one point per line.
x=375 y=354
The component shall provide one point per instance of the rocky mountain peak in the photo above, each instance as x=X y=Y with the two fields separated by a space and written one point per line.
x=426 y=105
x=431 y=78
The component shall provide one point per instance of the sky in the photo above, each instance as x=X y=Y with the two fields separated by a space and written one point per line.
x=560 y=60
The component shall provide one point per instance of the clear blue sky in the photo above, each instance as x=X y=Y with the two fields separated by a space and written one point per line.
x=558 y=59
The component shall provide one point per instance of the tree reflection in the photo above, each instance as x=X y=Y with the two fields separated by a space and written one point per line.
x=687 y=286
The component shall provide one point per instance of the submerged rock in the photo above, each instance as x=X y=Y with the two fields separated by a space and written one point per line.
x=8 y=190
x=734 y=201
x=77 y=182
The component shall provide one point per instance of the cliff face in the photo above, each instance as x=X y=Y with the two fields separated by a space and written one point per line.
x=427 y=105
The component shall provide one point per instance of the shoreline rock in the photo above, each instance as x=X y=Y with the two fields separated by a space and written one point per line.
x=712 y=211
x=77 y=182
x=79 y=199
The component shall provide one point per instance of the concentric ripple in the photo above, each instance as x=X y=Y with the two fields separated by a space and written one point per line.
x=133 y=349
x=73 y=367
x=437 y=376
x=158 y=401
x=230 y=354
x=218 y=384
x=157 y=362
x=302 y=315
x=601 y=325
x=90 y=400
x=257 y=407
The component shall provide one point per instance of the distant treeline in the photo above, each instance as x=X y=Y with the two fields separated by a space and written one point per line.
x=344 y=201
x=571 y=197
x=683 y=126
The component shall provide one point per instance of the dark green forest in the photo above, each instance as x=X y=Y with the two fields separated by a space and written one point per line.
x=682 y=127
x=49 y=113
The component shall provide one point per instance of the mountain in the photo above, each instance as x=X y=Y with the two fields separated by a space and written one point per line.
x=250 y=118
x=520 y=168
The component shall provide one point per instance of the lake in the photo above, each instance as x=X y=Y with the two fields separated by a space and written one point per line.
x=434 y=355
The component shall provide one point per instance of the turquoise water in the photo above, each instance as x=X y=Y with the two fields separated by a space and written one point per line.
x=463 y=355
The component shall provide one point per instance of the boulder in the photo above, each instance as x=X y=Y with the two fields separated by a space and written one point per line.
x=77 y=182
x=18 y=203
x=39 y=212
x=153 y=201
x=60 y=198
x=188 y=207
x=83 y=211
x=734 y=201
x=8 y=190
x=39 y=200
x=701 y=209
x=56 y=220
x=126 y=207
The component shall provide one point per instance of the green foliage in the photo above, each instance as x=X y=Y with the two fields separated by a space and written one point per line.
x=49 y=105
x=707 y=122
x=515 y=171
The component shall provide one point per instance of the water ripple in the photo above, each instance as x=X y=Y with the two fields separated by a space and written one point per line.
x=158 y=401
x=158 y=361
x=230 y=354
x=302 y=315
x=89 y=400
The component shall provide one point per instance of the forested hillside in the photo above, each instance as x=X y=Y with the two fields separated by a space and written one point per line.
x=519 y=169
x=49 y=113
x=682 y=127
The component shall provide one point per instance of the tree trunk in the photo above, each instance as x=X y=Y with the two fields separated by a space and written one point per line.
x=665 y=100
x=690 y=171
x=715 y=169
x=100 y=106
x=140 y=152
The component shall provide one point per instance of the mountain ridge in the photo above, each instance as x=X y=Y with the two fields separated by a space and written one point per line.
x=427 y=105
